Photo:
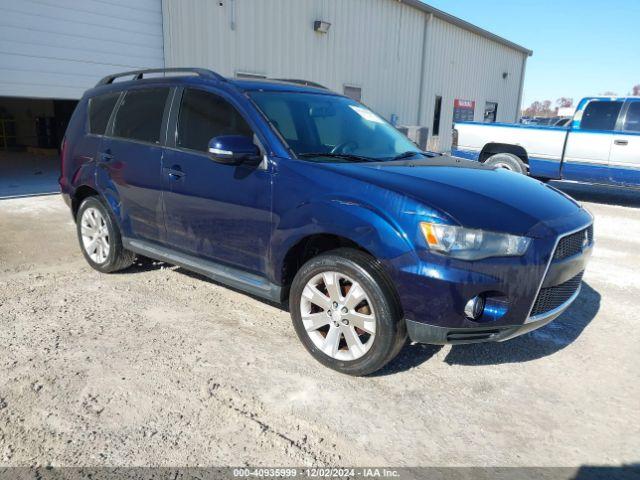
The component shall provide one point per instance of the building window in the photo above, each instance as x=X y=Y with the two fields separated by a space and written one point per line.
x=436 y=116
x=490 y=112
x=354 y=93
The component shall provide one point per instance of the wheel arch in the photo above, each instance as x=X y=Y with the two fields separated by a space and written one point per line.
x=494 y=148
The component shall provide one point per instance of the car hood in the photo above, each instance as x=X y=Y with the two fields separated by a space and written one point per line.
x=471 y=194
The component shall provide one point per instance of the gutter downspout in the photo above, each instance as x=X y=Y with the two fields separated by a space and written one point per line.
x=522 y=72
x=423 y=63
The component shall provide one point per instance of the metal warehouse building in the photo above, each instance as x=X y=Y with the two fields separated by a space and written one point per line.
x=413 y=64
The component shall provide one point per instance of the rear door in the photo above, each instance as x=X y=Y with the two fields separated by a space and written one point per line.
x=129 y=162
x=586 y=157
x=624 y=162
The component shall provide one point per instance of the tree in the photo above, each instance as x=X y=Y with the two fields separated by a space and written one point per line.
x=564 y=102
x=609 y=93
x=636 y=90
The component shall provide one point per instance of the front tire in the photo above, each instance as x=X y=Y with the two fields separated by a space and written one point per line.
x=100 y=239
x=346 y=312
x=508 y=161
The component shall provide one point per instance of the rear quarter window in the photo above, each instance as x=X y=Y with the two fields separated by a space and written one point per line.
x=100 y=108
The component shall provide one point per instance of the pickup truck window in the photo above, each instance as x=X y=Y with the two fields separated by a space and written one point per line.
x=600 y=116
x=632 y=122
x=333 y=125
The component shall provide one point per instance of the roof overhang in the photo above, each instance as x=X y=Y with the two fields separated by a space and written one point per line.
x=466 y=25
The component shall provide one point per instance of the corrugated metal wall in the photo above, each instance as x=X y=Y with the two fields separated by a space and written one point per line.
x=374 y=44
x=59 y=48
x=466 y=66
x=371 y=44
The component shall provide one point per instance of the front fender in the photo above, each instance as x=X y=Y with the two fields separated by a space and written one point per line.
x=362 y=223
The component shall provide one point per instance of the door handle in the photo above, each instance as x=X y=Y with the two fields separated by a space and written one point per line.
x=621 y=142
x=174 y=173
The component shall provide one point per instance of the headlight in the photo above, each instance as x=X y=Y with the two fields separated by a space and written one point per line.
x=468 y=244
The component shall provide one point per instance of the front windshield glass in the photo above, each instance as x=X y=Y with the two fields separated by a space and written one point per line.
x=331 y=128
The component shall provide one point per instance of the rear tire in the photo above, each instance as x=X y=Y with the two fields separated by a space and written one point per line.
x=346 y=312
x=100 y=239
x=508 y=161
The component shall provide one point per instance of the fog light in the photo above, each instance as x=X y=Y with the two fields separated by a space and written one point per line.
x=474 y=308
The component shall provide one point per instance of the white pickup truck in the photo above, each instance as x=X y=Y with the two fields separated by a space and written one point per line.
x=600 y=145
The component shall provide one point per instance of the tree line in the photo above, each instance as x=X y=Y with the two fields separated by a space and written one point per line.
x=546 y=108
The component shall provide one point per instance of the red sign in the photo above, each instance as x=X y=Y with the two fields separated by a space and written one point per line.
x=463 y=110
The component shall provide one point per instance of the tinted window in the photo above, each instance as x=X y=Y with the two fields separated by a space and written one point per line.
x=204 y=116
x=600 y=115
x=632 y=123
x=140 y=115
x=100 y=109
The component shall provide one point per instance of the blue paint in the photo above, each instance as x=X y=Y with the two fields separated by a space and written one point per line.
x=252 y=217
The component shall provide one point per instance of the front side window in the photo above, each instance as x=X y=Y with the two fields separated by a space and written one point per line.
x=100 y=108
x=317 y=125
x=600 y=115
x=203 y=116
x=139 y=116
x=632 y=122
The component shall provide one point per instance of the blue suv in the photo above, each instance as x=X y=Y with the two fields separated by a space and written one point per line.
x=296 y=194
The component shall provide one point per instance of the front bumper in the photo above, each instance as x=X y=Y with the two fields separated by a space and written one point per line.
x=523 y=293
x=424 y=333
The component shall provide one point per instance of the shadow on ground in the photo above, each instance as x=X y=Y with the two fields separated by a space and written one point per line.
x=540 y=343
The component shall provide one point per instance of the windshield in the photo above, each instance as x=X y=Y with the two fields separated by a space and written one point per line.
x=331 y=128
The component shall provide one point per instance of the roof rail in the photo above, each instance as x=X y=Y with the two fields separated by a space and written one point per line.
x=139 y=74
x=297 y=81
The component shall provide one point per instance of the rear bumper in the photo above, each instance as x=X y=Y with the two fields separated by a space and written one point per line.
x=424 y=333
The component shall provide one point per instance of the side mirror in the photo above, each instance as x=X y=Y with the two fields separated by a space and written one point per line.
x=233 y=149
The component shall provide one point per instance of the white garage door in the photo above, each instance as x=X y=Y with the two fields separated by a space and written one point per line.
x=59 y=48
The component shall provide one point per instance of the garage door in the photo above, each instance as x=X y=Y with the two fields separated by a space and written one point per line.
x=59 y=48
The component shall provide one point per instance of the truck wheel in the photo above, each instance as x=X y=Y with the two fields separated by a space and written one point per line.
x=346 y=312
x=508 y=161
x=100 y=238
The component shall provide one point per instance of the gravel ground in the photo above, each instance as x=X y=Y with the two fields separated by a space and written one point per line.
x=158 y=366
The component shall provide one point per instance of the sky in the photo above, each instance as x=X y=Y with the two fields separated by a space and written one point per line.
x=580 y=47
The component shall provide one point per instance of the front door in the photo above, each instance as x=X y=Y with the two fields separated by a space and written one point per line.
x=129 y=161
x=215 y=211
x=624 y=162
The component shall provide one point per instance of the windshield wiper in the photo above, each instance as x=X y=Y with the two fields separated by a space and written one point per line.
x=346 y=156
x=408 y=155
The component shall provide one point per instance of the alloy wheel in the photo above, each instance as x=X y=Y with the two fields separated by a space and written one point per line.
x=95 y=235
x=338 y=316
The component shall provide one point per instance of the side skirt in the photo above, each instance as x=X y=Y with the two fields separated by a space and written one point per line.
x=232 y=277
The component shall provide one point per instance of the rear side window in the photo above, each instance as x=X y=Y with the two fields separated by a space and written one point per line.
x=600 y=115
x=203 y=116
x=100 y=108
x=632 y=122
x=139 y=116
